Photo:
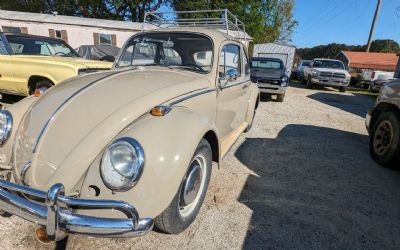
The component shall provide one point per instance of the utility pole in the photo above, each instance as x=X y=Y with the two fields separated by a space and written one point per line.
x=371 y=32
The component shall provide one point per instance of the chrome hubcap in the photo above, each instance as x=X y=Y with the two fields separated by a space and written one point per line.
x=192 y=186
x=383 y=137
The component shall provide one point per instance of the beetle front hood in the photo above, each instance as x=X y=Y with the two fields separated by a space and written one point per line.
x=66 y=128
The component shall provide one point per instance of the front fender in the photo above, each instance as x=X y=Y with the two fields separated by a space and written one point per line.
x=17 y=110
x=169 y=143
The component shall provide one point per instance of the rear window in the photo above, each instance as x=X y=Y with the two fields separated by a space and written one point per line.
x=266 y=64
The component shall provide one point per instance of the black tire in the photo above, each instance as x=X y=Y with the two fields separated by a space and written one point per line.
x=280 y=98
x=251 y=123
x=171 y=220
x=391 y=156
x=44 y=84
x=342 y=89
x=309 y=83
x=303 y=80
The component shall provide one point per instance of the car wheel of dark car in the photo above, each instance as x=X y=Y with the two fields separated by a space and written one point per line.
x=309 y=83
x=280 y=98
x=384 y=143
x=186 y=204
x=342 y=89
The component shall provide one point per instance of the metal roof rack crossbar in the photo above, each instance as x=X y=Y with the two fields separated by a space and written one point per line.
x=221 y=19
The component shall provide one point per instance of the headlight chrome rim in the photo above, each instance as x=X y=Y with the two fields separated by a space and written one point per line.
x=8 y=126
x=140 y=161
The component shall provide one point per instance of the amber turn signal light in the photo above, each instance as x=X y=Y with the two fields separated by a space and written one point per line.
x=160 y=110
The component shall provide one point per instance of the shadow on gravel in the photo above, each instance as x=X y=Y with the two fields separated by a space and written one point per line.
x=357 y=104
x=317 y=188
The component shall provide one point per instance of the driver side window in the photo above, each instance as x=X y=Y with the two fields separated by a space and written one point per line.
x=230 y=59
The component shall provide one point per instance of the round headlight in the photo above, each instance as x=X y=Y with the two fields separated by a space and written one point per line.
x=6 y=121
x=122 y=164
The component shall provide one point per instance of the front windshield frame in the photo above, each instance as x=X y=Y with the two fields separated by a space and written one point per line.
x=127 y=43
x=72 y=53
x=322 y=60
x=282 y=65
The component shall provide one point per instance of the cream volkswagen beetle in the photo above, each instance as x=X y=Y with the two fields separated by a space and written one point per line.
x=111 y=154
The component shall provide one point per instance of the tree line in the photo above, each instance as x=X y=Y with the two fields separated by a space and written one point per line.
x=331 y=50
x=266 y=20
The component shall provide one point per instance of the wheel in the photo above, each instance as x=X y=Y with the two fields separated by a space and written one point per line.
x=43 y=85
x=303 y=80
x=309 y=83
x=186 y=204
x=342 y=89
x=251 y=123
x=279 y=98
x=384 y=142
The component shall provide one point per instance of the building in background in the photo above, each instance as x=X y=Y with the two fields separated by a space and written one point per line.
x=76 y=31
x=359 y=61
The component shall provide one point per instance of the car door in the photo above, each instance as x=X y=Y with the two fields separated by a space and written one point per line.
x=233 y=91
x=6 y=68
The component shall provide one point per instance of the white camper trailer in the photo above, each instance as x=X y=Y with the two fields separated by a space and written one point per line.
x=274 y=50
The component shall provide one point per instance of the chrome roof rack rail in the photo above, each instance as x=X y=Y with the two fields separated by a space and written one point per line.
x=221 y=19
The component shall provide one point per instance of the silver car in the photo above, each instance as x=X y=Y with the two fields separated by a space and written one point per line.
x=383 y=125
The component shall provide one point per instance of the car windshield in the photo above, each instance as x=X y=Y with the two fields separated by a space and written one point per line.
x=306 y=64
x=186 y=50
x=328 y=64
x=25 y=45
x=266 y=64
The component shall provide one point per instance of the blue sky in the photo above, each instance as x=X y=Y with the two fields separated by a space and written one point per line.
x=344 y=21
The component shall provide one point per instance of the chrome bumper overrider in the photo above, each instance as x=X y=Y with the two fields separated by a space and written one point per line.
x=59 y=217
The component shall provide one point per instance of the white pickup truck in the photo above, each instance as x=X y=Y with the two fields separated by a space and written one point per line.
x=327 y=72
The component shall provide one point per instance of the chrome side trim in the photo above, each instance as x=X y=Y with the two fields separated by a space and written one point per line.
x=63 y=103
x=58 y=213
x=190 y=96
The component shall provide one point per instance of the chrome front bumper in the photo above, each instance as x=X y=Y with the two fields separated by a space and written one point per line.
x=58 y=214
x=330 y=82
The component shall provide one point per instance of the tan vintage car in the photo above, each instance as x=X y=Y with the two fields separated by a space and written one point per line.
x=110 y=154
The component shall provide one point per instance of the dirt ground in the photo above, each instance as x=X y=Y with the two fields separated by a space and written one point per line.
x=302 y=178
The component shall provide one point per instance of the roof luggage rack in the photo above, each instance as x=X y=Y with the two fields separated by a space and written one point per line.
x=221 y=19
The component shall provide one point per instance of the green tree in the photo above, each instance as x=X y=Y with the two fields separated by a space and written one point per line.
x=331 y=50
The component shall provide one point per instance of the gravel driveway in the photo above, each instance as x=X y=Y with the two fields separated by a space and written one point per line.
x=301 y=178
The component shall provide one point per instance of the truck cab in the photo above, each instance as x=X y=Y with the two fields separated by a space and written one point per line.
x=270 y=75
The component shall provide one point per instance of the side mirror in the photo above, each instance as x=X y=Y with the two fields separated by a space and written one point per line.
x=230 y=76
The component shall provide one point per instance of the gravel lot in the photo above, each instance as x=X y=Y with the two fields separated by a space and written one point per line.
x=301 y=178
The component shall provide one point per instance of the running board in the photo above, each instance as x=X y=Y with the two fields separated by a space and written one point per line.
x=230 y=139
